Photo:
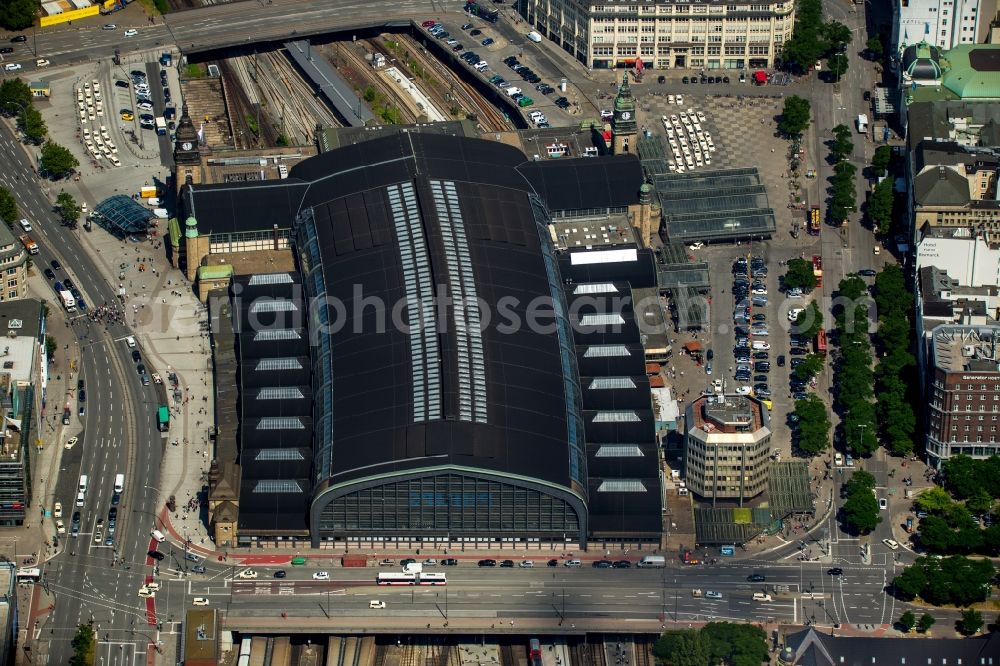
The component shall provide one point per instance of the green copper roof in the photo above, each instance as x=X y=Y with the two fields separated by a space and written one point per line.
x=174 y=230
x=972 y=71
x=215 y=272
x=191 y=230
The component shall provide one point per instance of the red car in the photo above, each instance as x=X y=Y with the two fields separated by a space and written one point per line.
x=427 y=24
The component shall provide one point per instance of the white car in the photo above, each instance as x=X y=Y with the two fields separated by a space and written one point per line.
x=110 y=26
x=146 y=593
x=375 y=603
x=60 y=527
x=131 y=32
x=527 y=564
x=743 y=390
x=145 y=106
x=57 y=510
x=321 y=575
x=70 y=443
x=199 y=601
x=247 y=574
x=41 y=62
x=838 y=459
x=12 y=66
x=891 y=543
x=883 y=504
x=430 y=562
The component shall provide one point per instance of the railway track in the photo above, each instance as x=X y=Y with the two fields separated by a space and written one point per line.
x=489 y=118
x=243 y=112
x=643 y=652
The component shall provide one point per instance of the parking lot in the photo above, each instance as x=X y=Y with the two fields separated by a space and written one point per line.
x=538 y=84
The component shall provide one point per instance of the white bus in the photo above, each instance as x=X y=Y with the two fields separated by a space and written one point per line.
x=29 y=575
x=412 y=579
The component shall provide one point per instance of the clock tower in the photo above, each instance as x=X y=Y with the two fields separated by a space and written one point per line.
x=623 y=123
x=186 y=142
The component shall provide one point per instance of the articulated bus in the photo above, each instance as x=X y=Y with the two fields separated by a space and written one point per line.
x=412 y=579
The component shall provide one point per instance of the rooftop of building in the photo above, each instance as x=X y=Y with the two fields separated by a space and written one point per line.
x=585 y=183
x=10 y=441
x=425 y=212
x=9 y=245
x=727 y=415
x=21 y=318
x=592 y=232
x=969 y=123
x=966 y=348
x=941 y=186
x=201 y=640
x=810 y=647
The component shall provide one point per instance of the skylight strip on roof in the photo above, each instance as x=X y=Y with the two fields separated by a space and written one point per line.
x=601 y=320
x=600 y=351
x=456 y=286
x=471 y=299
x=618 y=451
x=276 y=334
x=269 y=278
x=616 y=417
x=595 y=288
x=599 y=383
x=622 y=486
x=280 y=423
x=423 y=308
x=410 y=285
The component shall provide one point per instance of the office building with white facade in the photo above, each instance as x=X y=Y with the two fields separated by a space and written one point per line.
x=665 y=34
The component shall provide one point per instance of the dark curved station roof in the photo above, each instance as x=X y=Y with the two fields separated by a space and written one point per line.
x=461 y=209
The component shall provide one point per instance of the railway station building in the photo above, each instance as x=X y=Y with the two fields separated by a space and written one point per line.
x=437 y=398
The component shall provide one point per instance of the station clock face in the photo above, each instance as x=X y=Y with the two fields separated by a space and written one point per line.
x=626 y=115
x=186 y=145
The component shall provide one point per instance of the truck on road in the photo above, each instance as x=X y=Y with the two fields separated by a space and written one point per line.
x=29 y=244
x=862 y=123
x=814 y=220
x=161 y=126
x=652 y=562
x=67 y=300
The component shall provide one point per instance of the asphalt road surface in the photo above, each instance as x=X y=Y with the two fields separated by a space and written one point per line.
x=119 y=434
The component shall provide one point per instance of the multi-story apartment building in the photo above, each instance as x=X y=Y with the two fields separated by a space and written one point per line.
x=665 y=34
x=963 y=392
x=14 y=264
x=727 y=447
x=943 y=23
x=22 y=353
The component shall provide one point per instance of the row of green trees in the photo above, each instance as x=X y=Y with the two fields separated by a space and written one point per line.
x=966 y=477
x=854 y=376
x=861 y=511
x=812 y=39
x=799 y=275
x=715 y=643
x=794 y=118
x=896 y=375
x=907 y=621
x=812 y=425
x=55 y=160
x=18 y=14
x=956 y=580
x=883 y=197
x=83 y=646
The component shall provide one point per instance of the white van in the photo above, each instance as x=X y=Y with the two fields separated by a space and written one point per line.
x=83 y=483
x=652 y=562
x=119 y=482
x=157 y=535
x=513 y=90
x=760 y=596
x=573 y=563
x=761 y=345
x=534 y=36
